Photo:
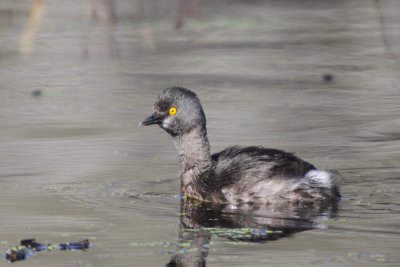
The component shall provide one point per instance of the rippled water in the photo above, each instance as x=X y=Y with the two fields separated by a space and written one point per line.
x=319 y=78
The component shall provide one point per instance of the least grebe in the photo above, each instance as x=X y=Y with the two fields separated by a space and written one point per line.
x=235 y=175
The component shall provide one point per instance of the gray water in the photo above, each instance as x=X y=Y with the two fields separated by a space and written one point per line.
x=77 y=76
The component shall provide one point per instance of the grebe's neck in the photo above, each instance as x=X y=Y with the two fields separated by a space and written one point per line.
x=194 y=161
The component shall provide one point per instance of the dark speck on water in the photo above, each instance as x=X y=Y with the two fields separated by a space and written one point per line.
x=36 y=93
x=327 y=77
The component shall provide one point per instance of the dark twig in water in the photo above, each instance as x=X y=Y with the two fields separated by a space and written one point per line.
x=29 y=247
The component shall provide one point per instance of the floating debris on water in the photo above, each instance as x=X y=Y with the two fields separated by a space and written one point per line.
x=29 y=247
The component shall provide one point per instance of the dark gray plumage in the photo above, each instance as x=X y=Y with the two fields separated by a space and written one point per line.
x=237 y=174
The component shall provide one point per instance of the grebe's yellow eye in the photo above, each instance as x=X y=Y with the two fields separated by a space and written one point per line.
x=172 y=111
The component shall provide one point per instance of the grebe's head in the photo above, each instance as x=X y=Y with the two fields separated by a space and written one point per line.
x=178 y=111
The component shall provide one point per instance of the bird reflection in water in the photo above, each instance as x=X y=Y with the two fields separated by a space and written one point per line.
x=246 y=223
